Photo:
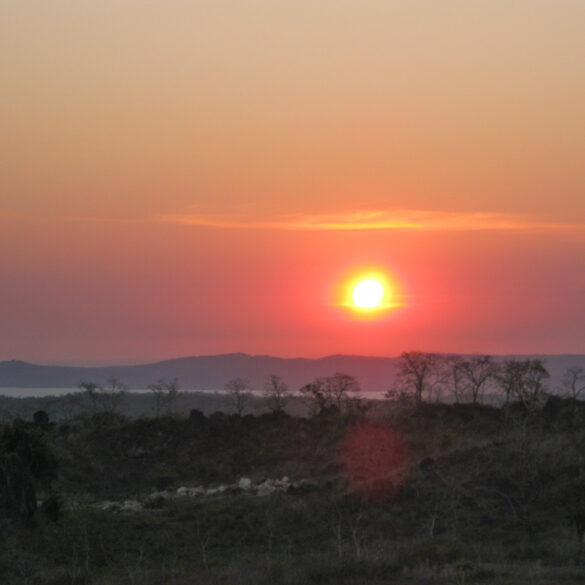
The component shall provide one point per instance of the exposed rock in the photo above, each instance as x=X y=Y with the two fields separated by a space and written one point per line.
x=282 y=484
x=245 y=484
x=131 y=506
x=266 y=488
x=154 y=501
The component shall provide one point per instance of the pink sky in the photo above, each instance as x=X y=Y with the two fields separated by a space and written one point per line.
x=193 y=178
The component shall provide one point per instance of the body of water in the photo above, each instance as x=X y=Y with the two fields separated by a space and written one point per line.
x=43 y=392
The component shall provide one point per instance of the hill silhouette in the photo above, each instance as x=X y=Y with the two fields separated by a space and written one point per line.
x=209 y=372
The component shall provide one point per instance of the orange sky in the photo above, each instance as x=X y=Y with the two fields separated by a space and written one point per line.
x=184 y=178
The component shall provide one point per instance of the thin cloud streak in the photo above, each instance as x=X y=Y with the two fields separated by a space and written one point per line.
x=400 y=220
x=20 y=217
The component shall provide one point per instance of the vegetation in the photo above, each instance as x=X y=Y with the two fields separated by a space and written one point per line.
x=408 y=491
x=165 y=394
x=238 y=391
x=277 y=393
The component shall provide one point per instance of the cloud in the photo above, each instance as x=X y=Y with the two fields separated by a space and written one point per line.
x=401 y=220
x=389 y=220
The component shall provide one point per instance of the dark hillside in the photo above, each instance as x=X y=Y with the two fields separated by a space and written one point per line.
x=428 y=493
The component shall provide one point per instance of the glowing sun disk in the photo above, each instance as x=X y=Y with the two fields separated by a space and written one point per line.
x=368 y=293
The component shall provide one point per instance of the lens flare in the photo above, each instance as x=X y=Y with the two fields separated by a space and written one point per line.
x=374 y=460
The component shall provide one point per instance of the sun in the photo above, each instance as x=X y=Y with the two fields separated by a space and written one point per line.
x=368 y=293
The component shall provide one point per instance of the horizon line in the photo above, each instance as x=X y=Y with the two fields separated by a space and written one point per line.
x=134 y=363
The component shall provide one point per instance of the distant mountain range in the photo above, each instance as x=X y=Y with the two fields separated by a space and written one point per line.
x=375 y=374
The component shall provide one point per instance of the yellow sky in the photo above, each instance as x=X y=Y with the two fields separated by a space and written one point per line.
x=131 y=109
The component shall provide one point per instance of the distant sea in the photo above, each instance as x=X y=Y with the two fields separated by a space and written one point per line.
x=35 y=392
x=42 y=392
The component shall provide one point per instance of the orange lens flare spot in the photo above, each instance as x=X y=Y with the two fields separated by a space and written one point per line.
x=374 y=460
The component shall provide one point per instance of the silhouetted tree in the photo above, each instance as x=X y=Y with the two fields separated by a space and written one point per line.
x=165 y=393
x=331 y=392
x=104 y=399
x=573 y=382
x=476 y=374
x=420 y=374
x=237 y=390
x=524 y=380
x=25 y=459
x=17 y=487
x=457 y=380
x=41 y=419
x=313 y=397
x=277 y=393
x=340 y=387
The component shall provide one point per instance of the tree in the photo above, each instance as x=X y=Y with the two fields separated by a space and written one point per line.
x=340 y=388
x=25 y=459
x=334 y=391
x=17 y=487
x=420 y=374
x=573 y=382
x=314 y=397
x=475 y=374
x=105 y=399
x=509 y=378
x=534 y=389
x=237 y=390
x=165 y=393
x=523 y=380
x=41 y=419
x=458 y=382
x=277 y=393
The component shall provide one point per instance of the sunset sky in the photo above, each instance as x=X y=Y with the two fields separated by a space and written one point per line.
x=182 y=178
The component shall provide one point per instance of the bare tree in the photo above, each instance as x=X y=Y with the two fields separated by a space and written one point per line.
x=340 y=387
x=477 y=373
x=573 y=382
x=165 y=393
x=106 y=399
x=332 y=391
x=420 y=374
x=277 y=393
x=534 y=389
x=313 y=397
x=509 y=378
x=237 y=389
x=523 y=380
x=458 y=382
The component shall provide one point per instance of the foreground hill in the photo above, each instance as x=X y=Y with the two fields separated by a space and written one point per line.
x=428 y=494
x=375 y=374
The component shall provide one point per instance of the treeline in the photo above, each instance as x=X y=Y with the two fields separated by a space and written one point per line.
x=432 y=377
x=420 y=377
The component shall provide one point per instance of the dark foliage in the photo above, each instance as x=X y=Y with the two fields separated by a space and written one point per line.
x=426 y=493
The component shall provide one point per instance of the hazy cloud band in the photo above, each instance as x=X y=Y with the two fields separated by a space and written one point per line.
x=404 y=220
